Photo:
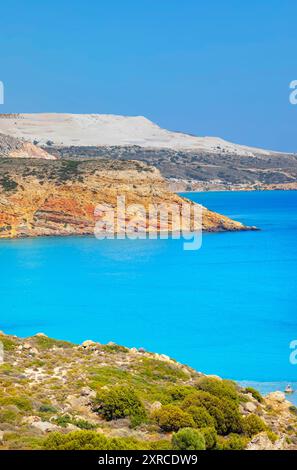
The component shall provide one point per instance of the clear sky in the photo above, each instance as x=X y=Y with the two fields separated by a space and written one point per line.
x=211 y=67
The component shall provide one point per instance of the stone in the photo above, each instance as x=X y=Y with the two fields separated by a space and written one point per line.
x=280 y=397
x=250 y=407
x=41 y=335
x=45 y=426
x=262 y=442
x=88 y=344
x=31 y=419
x=156 y=406
x=88 y=392
x=34 y=351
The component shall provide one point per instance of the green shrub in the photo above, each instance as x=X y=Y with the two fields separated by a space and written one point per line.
x=47 y=409
x=64 y=420
x=8 y=343
x=8 y=184
x=9 y=417
x=188 y=439
x=252 y=425
x=77 y=440
x=201 y=416
x=23 y=404
x=271 y=436
x=210 y=437
x=219 y=388
x=83 y=424
x=293 y=409
x=172 y=418
x=120 y=402
x=90 y=440
x=178 y=392
x=225 y=412
x=43 y=343
x=232 y=442
x=257 y=395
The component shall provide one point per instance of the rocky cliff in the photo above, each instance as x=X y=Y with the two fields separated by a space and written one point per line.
x=44 y=197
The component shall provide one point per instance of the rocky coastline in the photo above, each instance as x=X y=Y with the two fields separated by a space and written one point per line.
x=41 y=197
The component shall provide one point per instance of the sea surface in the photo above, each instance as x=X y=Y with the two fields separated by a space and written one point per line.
x=228 y=309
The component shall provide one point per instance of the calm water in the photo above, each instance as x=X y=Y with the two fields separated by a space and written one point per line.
x=228 y=308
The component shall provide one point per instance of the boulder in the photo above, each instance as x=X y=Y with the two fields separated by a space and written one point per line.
x=31 y=419
x=88 y=392
x=45 y=426
x=155 y=406
x=250 y=407
x=279 y=397
x=89 y=344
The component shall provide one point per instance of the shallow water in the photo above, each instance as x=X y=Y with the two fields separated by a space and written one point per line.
x=227 y=309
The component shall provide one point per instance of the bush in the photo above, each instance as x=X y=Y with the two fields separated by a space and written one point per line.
x=23 y=403
x=271 y=436
x=201 y=416
x=232 y=442
x=77 y=440
x=210 y=437
x=9 y=417
x=47 y=409
x=90 y=440
x=293 y=409
x=225 y=412
x=257 y=395
x=8 y=343
x=188 y=439
x=64 y=420
x=172 y=418
x=252 y=425
x=120 y=402
x=178 y=392
x=219 y=388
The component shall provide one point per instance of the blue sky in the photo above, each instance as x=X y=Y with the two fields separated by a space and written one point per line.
x=216 y=67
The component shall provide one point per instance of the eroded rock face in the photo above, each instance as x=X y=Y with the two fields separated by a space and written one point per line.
x=43 y=197
x=18 y=148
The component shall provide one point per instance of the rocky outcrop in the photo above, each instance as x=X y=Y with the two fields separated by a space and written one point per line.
x=19 y=148
x=44 y=197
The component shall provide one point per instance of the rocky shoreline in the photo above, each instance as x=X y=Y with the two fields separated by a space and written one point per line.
x=40 y=197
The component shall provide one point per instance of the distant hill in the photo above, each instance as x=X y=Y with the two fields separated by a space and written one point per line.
x=187 y=162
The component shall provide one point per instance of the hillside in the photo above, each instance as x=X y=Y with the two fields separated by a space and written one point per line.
x=189 y=170
x=58 y=395
x=59 y=197
x=188 y=162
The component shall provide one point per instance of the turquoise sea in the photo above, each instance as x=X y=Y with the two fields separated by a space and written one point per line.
x=227 y=309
